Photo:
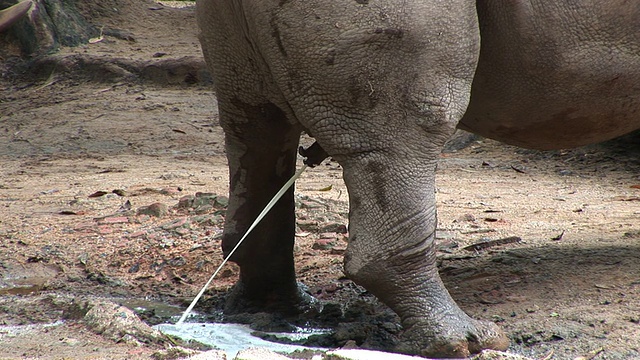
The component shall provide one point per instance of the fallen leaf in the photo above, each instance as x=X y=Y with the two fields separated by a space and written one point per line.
x=179 y=131
x=119 y=192
x=106 y=171
x=326 y=188
x=69 y=212
x=635 y=186
x=559 y=237
x=98 y=194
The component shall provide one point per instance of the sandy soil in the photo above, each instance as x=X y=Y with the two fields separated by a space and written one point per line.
x=547 y=244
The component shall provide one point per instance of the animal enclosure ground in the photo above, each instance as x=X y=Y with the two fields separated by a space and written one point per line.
x=84 y=154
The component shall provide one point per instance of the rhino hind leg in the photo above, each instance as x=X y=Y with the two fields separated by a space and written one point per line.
x=261 y=149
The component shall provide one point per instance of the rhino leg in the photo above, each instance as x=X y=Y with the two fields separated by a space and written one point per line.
x=261 y=149
x=391 y=253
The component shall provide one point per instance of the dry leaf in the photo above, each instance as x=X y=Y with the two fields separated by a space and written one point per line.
x=98 y=194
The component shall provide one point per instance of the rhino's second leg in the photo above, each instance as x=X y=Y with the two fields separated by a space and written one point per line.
x=391 y=252
x=261 y=149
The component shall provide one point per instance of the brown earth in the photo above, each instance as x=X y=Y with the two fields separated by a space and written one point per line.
x=92 y=134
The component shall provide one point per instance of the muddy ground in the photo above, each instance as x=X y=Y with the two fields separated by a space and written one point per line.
x=91 y=136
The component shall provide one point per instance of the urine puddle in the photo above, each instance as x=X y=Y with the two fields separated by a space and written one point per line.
x=232 y=338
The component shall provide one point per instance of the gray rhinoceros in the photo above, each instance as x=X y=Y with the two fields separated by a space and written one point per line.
x=381 y=85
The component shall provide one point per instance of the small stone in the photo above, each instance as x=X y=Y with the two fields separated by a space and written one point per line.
x=468 y=217
x=173 y=353
x=308 y=225
x=104 y=230
x=170 y=191
x=203 y=209
x=259 y=354
x=210 y=355
x=338 y=250
x=334 y=228
x=70 y=341
x=361 y=354
x=176 y=224
x=155 y=209
x=311 y=205
x=114 y=220
x=323 y=244
x=186 y=202
x=204 y=199
x=196 y=247
x=222 y=201
x=137 y=234
x=182 y=231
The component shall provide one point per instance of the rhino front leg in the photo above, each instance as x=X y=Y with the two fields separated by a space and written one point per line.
x=391 y=253
x=261 y=149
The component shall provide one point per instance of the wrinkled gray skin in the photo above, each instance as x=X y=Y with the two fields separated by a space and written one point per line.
x=381 y=85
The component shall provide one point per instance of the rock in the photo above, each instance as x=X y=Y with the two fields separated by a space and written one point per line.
x=170 y=191
x=338 y=250
x=210 y=355
x=334 y=228
x=186 y=202
x=359 y=354
x=155 y=209
x=323 y=244
x=259 y=354
x=172 y=353
x=119 y=323
x=114 y=220
x=177 y=223
x=308 y=225
x=204 y=199
x=222 y=201
x=498 y=355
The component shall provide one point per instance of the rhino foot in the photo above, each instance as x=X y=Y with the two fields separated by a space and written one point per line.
x=452 y=338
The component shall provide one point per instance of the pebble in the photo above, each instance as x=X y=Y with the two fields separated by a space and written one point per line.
x=259 y=354
x=114 y=220
x=175 y=224
x=104 y=229
x=308 y=225
x=334 y=228
x=137 y=234
x=323 y=244
x=155 y=209
x=186 y=202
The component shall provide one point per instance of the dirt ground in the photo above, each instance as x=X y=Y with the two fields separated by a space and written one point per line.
x=92 y=136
